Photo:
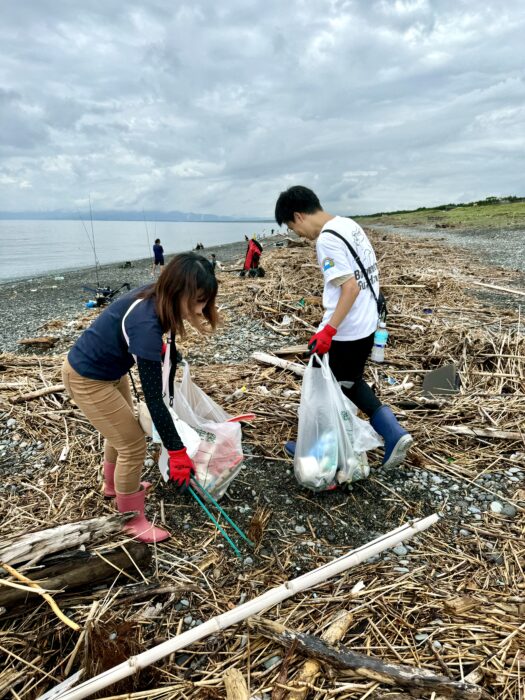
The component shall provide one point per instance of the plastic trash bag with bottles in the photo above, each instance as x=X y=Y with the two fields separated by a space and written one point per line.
x=219 y=455
x=332 y=441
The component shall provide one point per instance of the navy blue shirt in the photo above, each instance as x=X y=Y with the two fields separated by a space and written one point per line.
x=158 y=252
x=102 y=353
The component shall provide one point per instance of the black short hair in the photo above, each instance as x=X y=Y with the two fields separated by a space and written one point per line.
x=157 y=240
x=296 y=199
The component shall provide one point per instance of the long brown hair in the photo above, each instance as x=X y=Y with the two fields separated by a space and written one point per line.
x=190 y=278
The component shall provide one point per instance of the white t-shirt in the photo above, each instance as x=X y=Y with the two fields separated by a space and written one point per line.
x=337 y=261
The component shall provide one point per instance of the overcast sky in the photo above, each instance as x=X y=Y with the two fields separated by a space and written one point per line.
x=216 y=106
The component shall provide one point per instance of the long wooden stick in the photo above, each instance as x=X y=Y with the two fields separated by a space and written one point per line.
x=368 y=666
x=293 y=350
x=77 y=573
x=253 y=607
x=483 y=432
x=310 y=669
x=53 y=389
x=35 y=545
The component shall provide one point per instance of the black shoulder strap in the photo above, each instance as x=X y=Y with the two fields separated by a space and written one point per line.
x=134 y=385
x=173 y=366
x=356 y=258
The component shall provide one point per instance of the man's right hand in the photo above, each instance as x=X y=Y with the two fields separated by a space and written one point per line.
x=320 y=342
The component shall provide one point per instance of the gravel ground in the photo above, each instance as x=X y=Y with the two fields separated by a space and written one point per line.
x=501 y=247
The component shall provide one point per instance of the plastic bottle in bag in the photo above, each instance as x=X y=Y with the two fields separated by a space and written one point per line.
x=325 y=451
x=317 y=469
x=380 y=338
x=357 y=467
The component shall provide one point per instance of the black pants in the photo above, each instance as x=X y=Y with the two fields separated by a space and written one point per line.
x=347 y=359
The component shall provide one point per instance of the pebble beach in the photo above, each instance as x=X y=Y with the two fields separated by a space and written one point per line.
x=473 y=480
x=27 y=305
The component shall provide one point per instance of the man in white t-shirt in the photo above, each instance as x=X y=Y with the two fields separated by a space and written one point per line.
x=350 y=317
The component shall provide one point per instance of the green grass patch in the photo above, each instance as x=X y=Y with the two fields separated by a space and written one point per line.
x=490 y=215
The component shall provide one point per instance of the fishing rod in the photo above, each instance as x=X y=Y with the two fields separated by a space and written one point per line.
x=91 y=243
x=147 y=231
x=94 y=247
x=102 y=295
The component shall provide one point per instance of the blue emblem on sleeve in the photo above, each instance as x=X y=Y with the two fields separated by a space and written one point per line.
x=327 y=264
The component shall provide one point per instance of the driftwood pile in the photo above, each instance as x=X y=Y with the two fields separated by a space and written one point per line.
x=457 y=615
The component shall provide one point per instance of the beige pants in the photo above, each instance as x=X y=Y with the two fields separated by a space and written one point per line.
x=109 y=408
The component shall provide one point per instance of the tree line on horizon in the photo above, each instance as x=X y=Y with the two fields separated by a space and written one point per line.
x=488 y=201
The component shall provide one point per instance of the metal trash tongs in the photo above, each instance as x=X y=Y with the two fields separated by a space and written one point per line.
x=193 y=491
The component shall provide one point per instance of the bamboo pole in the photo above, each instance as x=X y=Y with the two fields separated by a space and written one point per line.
x=242 y=612
x=497 y=287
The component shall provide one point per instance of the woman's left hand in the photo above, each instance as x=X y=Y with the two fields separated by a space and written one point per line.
x=181 y=467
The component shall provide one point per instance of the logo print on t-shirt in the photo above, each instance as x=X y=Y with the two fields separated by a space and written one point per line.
x=327 y=264
x=358 y=236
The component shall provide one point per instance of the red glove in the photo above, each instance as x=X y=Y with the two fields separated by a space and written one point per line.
x=181 y=467
x=321 y=341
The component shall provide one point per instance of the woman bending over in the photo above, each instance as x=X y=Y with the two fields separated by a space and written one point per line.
x=95 y=375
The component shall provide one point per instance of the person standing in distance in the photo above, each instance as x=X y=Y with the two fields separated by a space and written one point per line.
x=95 y=374
x=158 y=257
x=350 y=310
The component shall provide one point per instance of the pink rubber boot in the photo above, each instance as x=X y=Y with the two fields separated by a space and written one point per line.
x=139 y=527
x=109 y=480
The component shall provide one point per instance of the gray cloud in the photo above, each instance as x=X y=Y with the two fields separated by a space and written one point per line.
x=217 y=107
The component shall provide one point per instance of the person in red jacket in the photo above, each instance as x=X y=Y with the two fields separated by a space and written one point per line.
x=95 y=375
x=253 y=256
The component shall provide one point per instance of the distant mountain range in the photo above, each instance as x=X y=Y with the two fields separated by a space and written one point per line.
x=113 y=215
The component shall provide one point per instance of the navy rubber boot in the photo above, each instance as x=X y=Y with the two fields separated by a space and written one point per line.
x=397 y=440
x=289 y=448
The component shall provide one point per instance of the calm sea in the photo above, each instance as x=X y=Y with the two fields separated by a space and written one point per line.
x=33 y=248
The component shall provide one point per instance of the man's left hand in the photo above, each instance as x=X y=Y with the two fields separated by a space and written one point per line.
x=321 y=341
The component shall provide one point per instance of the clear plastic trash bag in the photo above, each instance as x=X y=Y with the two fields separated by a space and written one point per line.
x=332 y=441
x=218 y=457
x=211 y=436
x=187 y=434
